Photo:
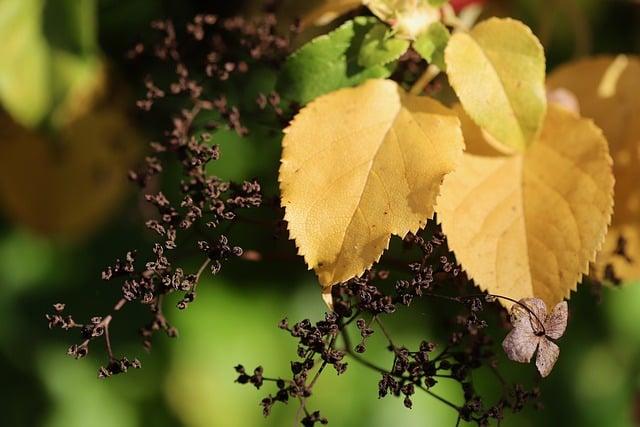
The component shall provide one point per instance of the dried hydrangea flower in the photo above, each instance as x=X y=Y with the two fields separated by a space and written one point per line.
x=534 y=329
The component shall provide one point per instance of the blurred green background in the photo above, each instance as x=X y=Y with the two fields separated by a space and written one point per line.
x=66 y=87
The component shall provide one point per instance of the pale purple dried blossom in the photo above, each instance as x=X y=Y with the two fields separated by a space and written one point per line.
x=534 y=329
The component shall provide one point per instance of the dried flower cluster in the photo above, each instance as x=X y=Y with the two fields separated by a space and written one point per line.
x=360 y=303
x=206 y=202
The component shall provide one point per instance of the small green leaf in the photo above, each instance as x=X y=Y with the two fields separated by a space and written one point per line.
x=330 y=62
x=50 y=57
x=379 y=47
x=437 y=3
x=497 y=70
x=431 y=44
x=24 y=63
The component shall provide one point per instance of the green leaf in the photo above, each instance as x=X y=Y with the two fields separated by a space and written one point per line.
x=379 y=47
x=329 y=62
x=498 y=70
x=431 y=44
x=437 y=3
x=24 y=63
x=50 y=59
x=71 y=25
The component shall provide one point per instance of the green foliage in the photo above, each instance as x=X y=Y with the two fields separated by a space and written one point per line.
x=379 y=47
x=71 y=25
x=431 y=44
x=330 y=62
x=49 y=56
x=25 y=61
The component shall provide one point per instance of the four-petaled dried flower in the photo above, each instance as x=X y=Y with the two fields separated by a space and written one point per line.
x=534 y=329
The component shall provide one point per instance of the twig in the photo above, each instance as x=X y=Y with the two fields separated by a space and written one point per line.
x=461 y=299
x=440 y=398
x=384 y=331
x=373 y=366
x=200 y=271
x=104 y=324
x=107 y=341
x=303 y=400
x=423 y=81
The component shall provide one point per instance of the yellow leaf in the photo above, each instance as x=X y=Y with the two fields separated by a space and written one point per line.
x=358 y=165
x=476 y=140
x=498 y=70
x=607 y=89
x=527 y=225
x=68 y=184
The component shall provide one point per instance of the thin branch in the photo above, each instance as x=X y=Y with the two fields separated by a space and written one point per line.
x=303 y=400
x=440 y=398
x=461 y=299
x=371 y=365
x=384 y=331
x=104 y=324
x=107 y=341
x=200 y=271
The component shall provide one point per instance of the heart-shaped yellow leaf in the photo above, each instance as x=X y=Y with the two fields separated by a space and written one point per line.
x=527 y=225
x=358 y=165
x=607 y=89
x=498 y=70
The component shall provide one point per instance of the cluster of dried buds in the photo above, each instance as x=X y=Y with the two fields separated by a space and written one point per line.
x=206 y=202
x=360 y=304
